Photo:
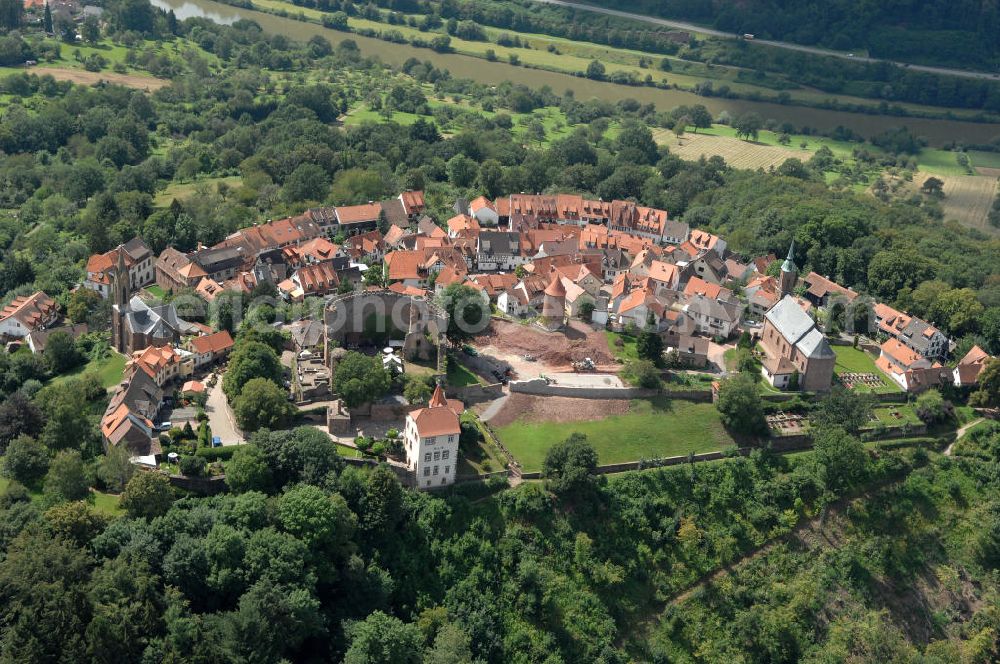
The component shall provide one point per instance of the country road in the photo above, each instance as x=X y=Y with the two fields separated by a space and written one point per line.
x=691 y=27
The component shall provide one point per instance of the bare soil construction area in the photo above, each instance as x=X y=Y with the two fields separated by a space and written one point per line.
x=511 y=342
x=530 y=408
x=83 y=77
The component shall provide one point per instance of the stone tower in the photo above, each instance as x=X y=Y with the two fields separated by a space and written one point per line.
x=554 y=304
x=789 y=272
x=119 y=303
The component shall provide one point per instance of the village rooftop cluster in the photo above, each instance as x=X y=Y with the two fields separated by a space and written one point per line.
x=541 y=259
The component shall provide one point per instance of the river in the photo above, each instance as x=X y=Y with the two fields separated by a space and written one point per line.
x=937 y=132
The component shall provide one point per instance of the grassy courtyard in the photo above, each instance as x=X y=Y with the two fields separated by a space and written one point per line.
x=104 y=503
x=109 y=370
x=460 y=375
x=652 y=428
x=894 y=416
x=855 y=360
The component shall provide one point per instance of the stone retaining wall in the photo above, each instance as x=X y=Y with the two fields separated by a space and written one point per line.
x=203 y=486
x=473 y=394
x=539 y=387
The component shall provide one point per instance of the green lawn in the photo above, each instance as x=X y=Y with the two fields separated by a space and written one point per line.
x=483 y=458
x=653 y=428
x=364 y=114
x=184 y=190
x=345 y=451
x=460 y=376
x=156 y=291
x=855 y=360
x=625 y=352
x=105 y=503
x=888 y=415
x=109 y=370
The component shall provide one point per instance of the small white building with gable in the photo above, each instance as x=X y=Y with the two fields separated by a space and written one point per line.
x=431 y=439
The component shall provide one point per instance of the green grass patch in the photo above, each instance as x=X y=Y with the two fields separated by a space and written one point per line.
x=652 y=428
x=109 y=370
x=350 y=452
x=156 y=291
x=855 y=360
x=460 y=375
x=985 y=159
x=107 y=503
x=483 y=458
x=628 y=349
x=942 y=162
x=364 y=114
x=184 y=190
x=895 y=416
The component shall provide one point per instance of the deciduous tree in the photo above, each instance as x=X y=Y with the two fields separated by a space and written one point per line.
x=740 y=406
x=261 y=404
x=147 y=495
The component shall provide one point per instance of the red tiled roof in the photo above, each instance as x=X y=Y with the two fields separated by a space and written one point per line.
x=906 y=357
x=212 y=343
x=440 y=417
x=31 y=310
x=354 y=214
x=404 y=265
x=698 y=286
x=555 y=287
x=318 y=278
x=413 y=202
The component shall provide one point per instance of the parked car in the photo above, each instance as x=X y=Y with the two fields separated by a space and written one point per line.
x=165 y=426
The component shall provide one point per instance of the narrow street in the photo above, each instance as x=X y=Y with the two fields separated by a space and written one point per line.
x=220 y=416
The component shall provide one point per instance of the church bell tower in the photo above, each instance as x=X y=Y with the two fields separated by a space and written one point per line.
x=119 y=303
x=789 y=272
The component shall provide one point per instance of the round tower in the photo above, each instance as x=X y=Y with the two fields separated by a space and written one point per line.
x=554 y=303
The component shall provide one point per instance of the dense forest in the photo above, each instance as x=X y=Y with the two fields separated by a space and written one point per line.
x=961 y=34
x=310 y=560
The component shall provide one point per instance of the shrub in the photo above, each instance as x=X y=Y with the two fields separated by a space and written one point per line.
x=193 y=466
x=210 y=454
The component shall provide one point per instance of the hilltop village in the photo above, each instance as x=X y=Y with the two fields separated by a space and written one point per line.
x=553 y=271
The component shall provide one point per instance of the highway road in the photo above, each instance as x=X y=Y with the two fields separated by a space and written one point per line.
x=691 y=27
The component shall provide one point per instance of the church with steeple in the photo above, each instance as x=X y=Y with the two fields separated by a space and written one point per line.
x=136 y=325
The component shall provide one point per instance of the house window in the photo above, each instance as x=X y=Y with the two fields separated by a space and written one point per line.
x=447 y=469
x=437 y=456
x=444 y=455
x=427 y=471
x=435 y=470
x=427 y=457
x=451 y=439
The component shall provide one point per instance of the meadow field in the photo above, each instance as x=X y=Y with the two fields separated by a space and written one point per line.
x=650 y=428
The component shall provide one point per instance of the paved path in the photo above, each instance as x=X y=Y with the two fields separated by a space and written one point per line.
x=220 y=416
x=961 y=432
x=815 y=50
x=493 y=408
